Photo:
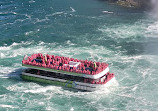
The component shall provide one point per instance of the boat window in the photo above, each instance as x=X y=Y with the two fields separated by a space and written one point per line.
x=56 y=75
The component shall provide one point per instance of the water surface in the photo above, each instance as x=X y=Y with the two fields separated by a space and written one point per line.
x=127 y=39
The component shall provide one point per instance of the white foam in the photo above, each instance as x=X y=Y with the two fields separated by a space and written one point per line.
x=32 y=32
x=8 y=12
x=41 y=43
x=41 y=20
x=7 y=106
x=56 y=13
x=107 y=12
x=134 y=89
x=70 y=43
x=4 y=48
x=3 y=76
x=11 y=51
x=49 y=108
x=125 y=59
x=71 y=109
x=152 y=30
x=41 y=90
x=123 y=31
x=28 y=33
x=21 y=87
x=73 y=10
x=6 y=70
x=15 y=44
x=2 y=55
x=51 y=90
x=17 y=65
x=32 y=1
x=28 y=16
x=14 y=13
x=41 y=103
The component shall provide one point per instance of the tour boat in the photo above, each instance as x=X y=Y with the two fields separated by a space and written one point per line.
x=68 y=72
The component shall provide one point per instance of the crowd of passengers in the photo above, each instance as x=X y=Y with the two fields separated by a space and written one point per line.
x=57 y=62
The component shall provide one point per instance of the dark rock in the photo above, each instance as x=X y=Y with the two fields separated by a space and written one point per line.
x=133 y=3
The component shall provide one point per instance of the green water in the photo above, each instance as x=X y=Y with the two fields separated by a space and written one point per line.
x=127 y=39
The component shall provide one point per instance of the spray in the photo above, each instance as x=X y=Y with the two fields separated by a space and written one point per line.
x=154 y=4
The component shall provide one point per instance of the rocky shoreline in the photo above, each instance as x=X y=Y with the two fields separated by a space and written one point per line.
x=132 y=3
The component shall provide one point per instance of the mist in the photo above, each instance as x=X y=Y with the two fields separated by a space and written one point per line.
x=154 y=5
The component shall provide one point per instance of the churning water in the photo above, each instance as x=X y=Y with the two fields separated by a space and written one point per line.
x=127 y=39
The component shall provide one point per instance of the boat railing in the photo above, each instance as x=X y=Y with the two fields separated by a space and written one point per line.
x=65 y=64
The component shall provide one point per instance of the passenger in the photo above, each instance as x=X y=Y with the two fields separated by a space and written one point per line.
x=60 y=64
x=38 y=73
x=89 y=68
x=95 y=66
x=45 y=57
x=38 y=59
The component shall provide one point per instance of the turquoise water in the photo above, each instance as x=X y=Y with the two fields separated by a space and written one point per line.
x=127 y=39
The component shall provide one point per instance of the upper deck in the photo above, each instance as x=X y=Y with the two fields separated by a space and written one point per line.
x=65 y=65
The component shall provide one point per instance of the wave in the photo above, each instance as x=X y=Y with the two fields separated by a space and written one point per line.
x=62 y=13
x=22 y=43
x=123 y=31
x=20 y=49
x=56 y=13
x=43 y=89
x=32 y=32
x=130 y=72
x=69 y=49
x=50 y=91
x=4 y=77
x=32 y=1
x=14 y=49
x=108 y=12
x=70 y=43
x=6 y=70
x=8 y=13
x=19 y=19
x=7 y=106
x=73 y=10
x=37 y=20
x=152 y=30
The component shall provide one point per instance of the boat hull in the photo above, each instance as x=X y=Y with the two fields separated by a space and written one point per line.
x=66 y=83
